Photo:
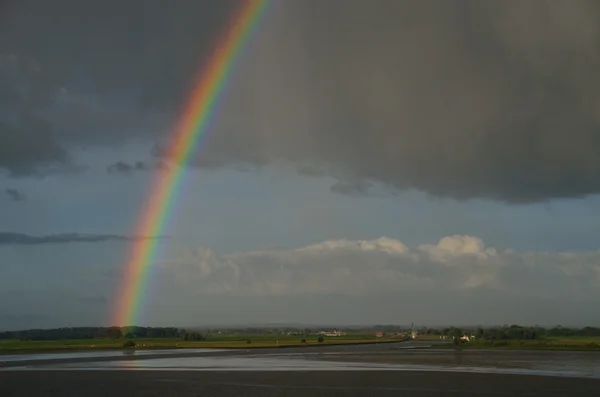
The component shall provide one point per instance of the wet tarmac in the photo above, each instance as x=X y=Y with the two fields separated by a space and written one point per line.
x=389 y=357
x=91 y=354
x=279 y=368
x=287 y=383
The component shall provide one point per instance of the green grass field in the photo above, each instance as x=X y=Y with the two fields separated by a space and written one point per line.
x=214 y=341
x=233 y=341
x=549 y=343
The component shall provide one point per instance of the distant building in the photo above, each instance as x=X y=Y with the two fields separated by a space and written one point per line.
x=413 y=333
x=334 y=332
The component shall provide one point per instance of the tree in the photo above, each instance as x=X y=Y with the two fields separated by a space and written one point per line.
x=114 y=333
x=187 y=336
x=456 y=334
x=479 y=333
x=320 y=339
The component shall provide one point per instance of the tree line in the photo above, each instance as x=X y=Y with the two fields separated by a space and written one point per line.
x=92 y=333
x=517 y=332
x=132 y=332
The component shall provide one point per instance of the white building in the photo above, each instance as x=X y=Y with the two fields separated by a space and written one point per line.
x=335 y=332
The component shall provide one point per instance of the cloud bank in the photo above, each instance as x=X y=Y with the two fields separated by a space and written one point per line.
x=455 y=265
x=463 y=99
x=457 y=280
x=7 y=238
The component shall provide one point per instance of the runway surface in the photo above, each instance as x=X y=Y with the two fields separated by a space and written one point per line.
x=368 y=370
x=286 y=383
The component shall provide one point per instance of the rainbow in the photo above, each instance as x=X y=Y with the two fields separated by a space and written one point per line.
x=193 y=123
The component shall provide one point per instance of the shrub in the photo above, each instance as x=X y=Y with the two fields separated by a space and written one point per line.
x=129 y=343
x=320 y=340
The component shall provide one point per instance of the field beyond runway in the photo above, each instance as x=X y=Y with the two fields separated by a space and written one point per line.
x=286 y=383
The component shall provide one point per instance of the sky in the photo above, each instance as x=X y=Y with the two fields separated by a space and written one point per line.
x=371 y=162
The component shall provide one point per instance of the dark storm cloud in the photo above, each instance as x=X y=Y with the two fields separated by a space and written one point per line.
x=95 y=72
x=456 y=98
x=7 y=238
x=27 y=145
x=15 y=195
x=462 y=98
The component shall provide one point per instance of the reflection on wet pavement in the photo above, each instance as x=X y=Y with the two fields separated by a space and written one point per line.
x=94 y=354
x=585 y=364
x=284 y=364
x=570 y=364
x=212 y=363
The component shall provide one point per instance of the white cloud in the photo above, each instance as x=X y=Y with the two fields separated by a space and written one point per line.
x=457 y=246
x=455 y=265
x=458 y=280
x=383 y=244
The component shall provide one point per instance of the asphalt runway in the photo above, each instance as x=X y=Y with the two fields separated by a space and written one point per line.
x=286 y=383
x=359 y=370
x=25 y=359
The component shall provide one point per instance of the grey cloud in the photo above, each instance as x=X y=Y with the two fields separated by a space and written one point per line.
x=29 y=145
x=311 y=169
x=99 y=77
x=121 y=167
x=354 y=189
x=7 y=238
x=15 y=195
x=462 y=99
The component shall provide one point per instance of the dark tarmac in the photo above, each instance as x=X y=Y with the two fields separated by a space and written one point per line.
x=367 y=370
x=286 y=383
